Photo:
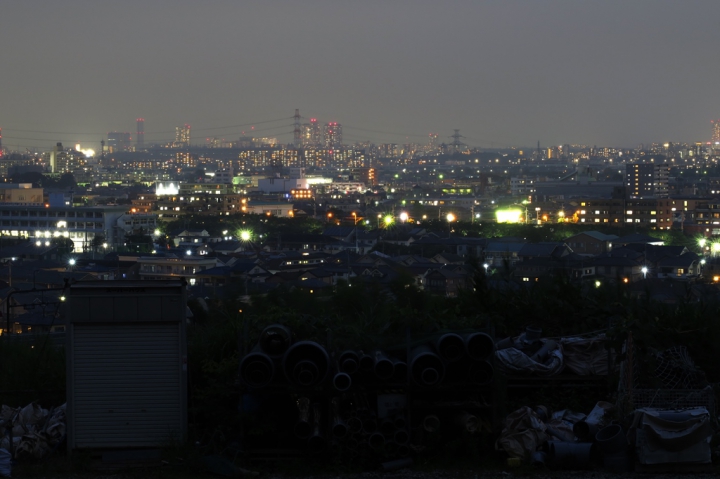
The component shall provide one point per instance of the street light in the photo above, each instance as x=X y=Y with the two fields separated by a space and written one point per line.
x=486 y=266
x=404 y=217
x=71 y=262
x=644 y=271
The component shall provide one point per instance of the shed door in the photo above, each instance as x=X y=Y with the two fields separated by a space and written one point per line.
x=126 y=385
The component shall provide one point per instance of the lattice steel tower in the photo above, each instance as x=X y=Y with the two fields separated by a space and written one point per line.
x=297 y=134
x=456 y=144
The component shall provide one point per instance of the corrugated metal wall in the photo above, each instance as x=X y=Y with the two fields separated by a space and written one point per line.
x=126 y=385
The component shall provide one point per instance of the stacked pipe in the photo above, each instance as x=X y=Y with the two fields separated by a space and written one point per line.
x=331 y=388
x=467 y=358
x=304 y=363
x=450 y=358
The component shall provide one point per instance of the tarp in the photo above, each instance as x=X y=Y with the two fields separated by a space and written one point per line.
x=523 y=432
x=513 y=360
x=35 y=431
x=662 y=441
x=586 y=356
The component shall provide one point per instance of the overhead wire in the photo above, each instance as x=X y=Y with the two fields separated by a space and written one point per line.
x=355 y=134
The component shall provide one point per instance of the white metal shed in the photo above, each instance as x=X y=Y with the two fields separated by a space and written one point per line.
x=126 y=364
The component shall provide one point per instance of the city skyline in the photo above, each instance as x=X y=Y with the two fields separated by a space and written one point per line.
x=503 y=73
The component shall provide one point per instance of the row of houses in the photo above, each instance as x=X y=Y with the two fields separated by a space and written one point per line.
x=439 y=265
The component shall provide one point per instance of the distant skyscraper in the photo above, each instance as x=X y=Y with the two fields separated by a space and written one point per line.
x=182 y=136
x=315 y=134
x=715 y=131
x=1 y=150
x=333 y=135
x=140 y=138
x=311 y=134
x=118 y=141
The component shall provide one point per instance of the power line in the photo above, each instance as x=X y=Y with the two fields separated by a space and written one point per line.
x=147 y=132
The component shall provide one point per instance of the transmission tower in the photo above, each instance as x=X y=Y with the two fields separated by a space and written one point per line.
x=297 y=136
x=456 y=143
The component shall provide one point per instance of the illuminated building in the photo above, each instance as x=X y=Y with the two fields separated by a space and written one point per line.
x=64 y=161
x=365 y=175
x=182 y=136
x=186 y=160
x=253 y=158
x=301 y=194
x=311 y=135
x=647 y=180
x=651 y=212
x=715 y=132
x=80 y=224
x=118 y=141
x=140 y=138
x=333 y=135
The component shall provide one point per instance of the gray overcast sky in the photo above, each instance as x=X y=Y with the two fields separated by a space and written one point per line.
x=506 y=72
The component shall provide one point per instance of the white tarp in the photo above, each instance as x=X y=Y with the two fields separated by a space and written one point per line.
x=672 y=437
x=513 y=360
x=586 y=356
x=35 y=431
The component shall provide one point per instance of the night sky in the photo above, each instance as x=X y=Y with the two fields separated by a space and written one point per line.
x=506 y=73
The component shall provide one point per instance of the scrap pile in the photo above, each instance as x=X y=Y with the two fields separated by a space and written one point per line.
x=565 y=438
x=31 y=432
x=668 y=428
x=529 y=353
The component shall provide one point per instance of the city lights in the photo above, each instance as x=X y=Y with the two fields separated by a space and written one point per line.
x=245 y=235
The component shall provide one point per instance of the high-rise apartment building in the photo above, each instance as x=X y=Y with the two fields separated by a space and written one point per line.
x=311 y=134
x=647 y=180
x=333 y=135
x=61 y=160
x=118 y=141
x=182 y=136
x=140 y=138
x=715 y=131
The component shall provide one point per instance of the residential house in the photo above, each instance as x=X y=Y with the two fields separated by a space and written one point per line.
x=591 y=243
